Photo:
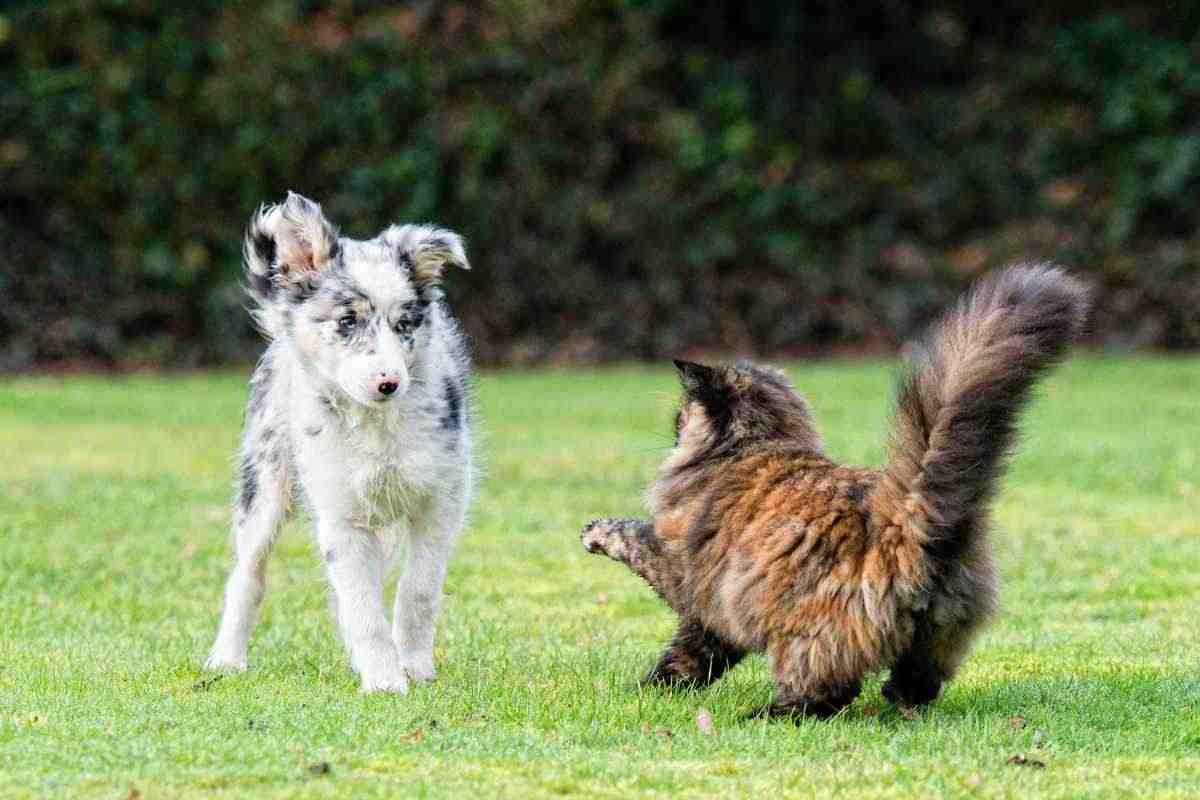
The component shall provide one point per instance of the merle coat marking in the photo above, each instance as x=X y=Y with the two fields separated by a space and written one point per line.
x=359 y=409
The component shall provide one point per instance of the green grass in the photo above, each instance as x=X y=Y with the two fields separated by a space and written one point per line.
x=113 y=549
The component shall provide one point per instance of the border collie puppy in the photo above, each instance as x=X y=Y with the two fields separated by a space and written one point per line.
x=359 y=411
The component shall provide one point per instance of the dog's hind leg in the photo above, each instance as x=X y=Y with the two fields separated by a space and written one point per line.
x=263 y=496
x=419 y=591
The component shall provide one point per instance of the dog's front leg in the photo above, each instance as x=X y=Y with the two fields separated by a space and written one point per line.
x=355 y=562
x=261 y=506
x=419 y=593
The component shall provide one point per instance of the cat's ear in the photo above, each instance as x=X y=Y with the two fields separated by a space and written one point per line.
x=696 y=378
x=710 y=385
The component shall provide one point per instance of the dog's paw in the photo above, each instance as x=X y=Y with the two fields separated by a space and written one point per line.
x=418 y=666
x=225 y=662
x=392 y=682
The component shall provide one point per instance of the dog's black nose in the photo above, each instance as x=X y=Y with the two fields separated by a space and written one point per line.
x=388 y=387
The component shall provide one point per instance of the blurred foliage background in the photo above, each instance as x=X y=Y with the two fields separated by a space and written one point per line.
x=636 y=178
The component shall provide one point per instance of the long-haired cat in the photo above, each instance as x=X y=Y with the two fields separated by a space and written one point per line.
x=761 y=543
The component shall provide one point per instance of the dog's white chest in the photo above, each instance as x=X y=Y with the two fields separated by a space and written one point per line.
x=396 y=471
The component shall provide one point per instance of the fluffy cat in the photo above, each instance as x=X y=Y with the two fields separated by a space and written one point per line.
x=761 y=543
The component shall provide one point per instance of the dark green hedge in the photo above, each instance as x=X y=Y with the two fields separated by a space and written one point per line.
x=635 y=178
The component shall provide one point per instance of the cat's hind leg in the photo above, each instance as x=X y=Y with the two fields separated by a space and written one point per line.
x=695 y=658
x=820 y=705
x=915 y=678
x=808 y=685
x=943 y=634
x=932 y=659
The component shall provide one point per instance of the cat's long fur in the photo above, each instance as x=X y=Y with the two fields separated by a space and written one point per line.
x=761 y=543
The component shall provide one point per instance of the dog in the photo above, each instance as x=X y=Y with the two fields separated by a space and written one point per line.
x=359 y=411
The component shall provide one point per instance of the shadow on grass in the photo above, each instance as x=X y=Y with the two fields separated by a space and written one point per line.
x=1113 y=703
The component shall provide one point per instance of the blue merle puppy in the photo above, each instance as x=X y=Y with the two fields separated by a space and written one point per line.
x=359 y=411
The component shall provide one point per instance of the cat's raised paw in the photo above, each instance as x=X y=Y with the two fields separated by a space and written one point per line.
x=600 y=535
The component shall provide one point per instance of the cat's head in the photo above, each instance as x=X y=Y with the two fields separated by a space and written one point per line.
x=725 y=408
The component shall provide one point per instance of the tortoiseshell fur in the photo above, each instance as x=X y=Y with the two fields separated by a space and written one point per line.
x=761 y=543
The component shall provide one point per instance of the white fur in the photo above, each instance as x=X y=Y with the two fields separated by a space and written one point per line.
x=380 y=474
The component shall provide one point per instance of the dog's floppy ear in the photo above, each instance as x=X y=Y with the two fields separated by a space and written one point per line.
x=427 y=251
x=287 y=247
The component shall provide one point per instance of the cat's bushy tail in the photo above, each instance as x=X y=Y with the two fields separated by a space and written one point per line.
x=958 y=403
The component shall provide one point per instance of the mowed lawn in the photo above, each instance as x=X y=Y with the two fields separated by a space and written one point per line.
x=114 y=546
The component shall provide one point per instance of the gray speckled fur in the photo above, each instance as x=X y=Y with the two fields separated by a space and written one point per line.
x=378 y=471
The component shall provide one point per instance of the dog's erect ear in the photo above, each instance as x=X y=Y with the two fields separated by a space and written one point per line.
x=288 y=246
x=305 y=242
x=427 y=251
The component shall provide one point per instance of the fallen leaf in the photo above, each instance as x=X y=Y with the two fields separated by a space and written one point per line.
x=415 y=735
x=665 y=733
x=646 y=727
x=189 y=550
x=601 y=598
x=704 y=722
x=974 y=779
x=870 y=710
x=1018 y=722
x=1021 y=761
x=132 y=794
x=908 y=712
x=320 y=768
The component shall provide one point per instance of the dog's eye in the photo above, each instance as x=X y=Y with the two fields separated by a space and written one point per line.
x=403 y=326
x=346 y=324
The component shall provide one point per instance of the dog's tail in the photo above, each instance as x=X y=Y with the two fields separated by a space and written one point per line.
x=957 y=406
